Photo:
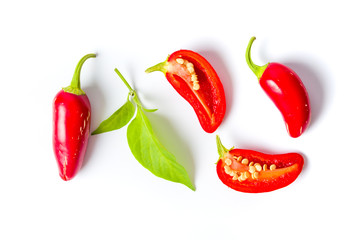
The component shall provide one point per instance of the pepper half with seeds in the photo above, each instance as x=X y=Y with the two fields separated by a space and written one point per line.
x=255 y=172
x=193 y=77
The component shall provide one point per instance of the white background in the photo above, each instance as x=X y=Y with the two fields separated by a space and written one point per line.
x=113 y=196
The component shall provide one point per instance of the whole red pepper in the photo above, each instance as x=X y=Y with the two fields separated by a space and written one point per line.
x=286 y=90
x=255 y=172
x=193 y=77
x=71 y=125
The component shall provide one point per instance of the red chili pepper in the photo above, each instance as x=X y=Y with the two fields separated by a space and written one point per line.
x=71 y=125
x=286 y=90
x=255 y=172
x=193 y=77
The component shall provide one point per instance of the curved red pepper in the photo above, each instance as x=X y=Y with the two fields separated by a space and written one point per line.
x=286 y=90
x=255 y=172
x=193 y=77
x=71 y=125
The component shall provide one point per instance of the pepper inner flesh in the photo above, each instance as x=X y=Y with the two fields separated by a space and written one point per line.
x=186 y=71
x=242 y=169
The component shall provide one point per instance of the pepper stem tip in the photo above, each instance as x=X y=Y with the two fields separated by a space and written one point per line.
x=158 y=67
x=221 y=149
x=257 y=70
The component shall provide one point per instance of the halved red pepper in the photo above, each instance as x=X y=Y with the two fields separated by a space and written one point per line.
x=255 y=172
x=193 y=77
x=286 y=90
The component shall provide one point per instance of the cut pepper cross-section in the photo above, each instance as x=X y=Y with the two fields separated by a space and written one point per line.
x=193 y=77
x=254 y=172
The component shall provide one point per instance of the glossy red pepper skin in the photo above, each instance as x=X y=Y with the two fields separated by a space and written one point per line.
x=71 y=126
x=288 y=168
x=288 y=93
x=72 y=115
x=209 y=101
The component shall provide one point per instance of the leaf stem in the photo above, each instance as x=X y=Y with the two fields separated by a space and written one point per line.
x=124 y=81
x=132 y=93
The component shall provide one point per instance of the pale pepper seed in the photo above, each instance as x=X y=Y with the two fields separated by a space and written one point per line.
x=264 y=167
x=272 y=167
x=258 y=167
x=180 y=60
x=245 y=161
x=228 y=161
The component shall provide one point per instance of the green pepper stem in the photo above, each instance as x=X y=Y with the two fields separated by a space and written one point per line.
x=74 y=86
x=257 y=70
x=158 y=67
x=221 y=149
x=75 y=82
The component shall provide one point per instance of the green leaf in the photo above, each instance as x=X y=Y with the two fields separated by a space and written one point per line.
x=149 y=152
x=118 y=119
